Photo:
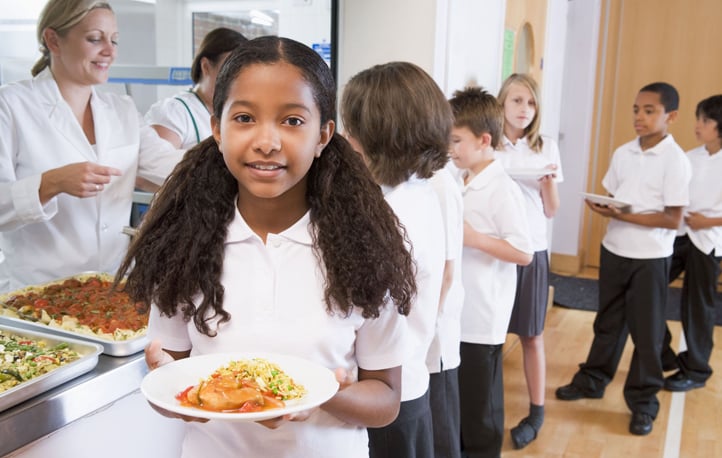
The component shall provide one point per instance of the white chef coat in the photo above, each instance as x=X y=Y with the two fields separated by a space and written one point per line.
x=173 y=115
x=274 y=293
x=68 y=235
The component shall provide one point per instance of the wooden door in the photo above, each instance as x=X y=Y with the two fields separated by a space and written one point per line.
x=526 y=20
x=643 y=41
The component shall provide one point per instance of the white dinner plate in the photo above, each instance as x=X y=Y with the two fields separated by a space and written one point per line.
x=606 y=200
x=528 y=173
x=160 y=386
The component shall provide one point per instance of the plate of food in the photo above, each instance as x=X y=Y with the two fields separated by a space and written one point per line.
x=608 y=201
x=533 y=173
x=239 y=386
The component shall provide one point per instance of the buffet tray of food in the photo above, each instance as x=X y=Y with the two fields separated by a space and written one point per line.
x=34 y=362
x=82 y=306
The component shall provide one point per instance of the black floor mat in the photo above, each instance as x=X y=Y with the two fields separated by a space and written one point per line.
x=583 y=294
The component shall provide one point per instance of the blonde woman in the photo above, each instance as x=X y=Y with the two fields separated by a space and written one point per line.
x=523 y=147
x=69 y=154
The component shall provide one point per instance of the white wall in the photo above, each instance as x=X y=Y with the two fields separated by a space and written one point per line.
x=475 y=44
x=575 y=121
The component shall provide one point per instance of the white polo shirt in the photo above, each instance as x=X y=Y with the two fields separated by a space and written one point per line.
x=648 y=180
x=493 y=205
x=417 y=207
x=521 y=156
x=445 y=346
x=274 y=293
x=705 y=197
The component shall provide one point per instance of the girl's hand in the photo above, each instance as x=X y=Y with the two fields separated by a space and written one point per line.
x=82 y=179
x=551 y=176
x=344 y=379
x=155 y=356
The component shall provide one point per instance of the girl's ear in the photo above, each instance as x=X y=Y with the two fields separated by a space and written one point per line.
x=51 y=39
x=205 y=65
x=327 y=131
x=216 y=129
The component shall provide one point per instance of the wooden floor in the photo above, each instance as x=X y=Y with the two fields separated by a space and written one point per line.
x=688 y=424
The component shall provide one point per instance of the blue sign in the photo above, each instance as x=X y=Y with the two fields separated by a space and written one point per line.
x=323 y=50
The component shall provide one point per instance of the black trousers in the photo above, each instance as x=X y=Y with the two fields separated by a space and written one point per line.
x=632 y=299
x=481 y=391
x=409 y=436
x=699 y=288
x=444 y=400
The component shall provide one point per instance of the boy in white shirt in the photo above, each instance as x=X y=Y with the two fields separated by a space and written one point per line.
x=652 y=174
x=698 y=251
x=496 y=240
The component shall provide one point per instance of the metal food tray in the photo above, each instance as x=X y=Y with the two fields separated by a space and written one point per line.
x=110 y=347
x=88 y=360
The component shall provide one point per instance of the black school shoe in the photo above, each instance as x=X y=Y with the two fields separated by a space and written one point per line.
x=572 y=392
x=641 y=424
x=680 y=382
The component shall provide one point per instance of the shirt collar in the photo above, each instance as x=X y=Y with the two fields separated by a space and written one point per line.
x=239 y=231
x=656 y=149
x=507 y=143
x=486 y=176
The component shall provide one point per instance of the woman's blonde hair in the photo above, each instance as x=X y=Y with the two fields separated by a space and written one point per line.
x=61 y=16
x=531 y=133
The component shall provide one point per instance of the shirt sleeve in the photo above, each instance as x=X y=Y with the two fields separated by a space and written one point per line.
x=19 y=198
x=381 y=342
x=677 y=178
x=157 y=157
x=172 y=332
x=170 y=114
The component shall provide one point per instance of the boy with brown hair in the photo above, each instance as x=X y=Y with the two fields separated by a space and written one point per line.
x=496 y=240
x=652 y=174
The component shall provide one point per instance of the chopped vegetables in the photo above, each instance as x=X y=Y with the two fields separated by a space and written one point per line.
x=22 y=359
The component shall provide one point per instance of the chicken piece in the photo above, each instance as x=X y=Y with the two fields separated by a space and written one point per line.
x=225 y=393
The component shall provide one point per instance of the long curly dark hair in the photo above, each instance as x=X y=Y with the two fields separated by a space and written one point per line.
x=177 y=257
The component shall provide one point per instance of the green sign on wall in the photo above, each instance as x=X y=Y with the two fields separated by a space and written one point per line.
x=507 y=62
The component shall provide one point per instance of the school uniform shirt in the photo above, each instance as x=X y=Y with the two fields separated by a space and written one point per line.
x=444 y=349
x=705 y=197
x=173 y=115
x=68 y=235
x=648 y=180
x=493 y=205
x=521 y=156
x=274 y=293
x=415 y=204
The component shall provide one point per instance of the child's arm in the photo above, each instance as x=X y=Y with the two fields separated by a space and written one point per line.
x=373 y=401
x=670 y=218
x=498 y=248
x=697 y=221
x=549 y=193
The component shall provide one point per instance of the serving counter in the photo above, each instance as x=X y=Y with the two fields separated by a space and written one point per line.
x=112 y=379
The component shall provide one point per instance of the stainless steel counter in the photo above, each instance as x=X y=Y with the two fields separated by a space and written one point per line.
x=111 y=379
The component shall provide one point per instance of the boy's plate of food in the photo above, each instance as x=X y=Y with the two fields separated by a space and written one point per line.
x=533 y=173
x=239 y=386
x=608 y=201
